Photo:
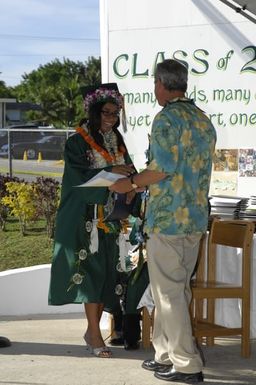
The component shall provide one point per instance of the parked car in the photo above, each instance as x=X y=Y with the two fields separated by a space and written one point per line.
x=50 y=147
x=36 y=133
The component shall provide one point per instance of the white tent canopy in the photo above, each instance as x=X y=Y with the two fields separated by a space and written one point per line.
x=246 y=8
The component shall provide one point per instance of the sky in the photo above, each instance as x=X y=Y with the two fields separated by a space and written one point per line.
x=35 y=32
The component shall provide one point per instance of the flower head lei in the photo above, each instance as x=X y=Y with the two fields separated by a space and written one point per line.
x=101 y=95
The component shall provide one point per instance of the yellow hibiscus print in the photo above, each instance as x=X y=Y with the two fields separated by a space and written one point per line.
x=152 y=165
x=174 y=151
x=197 y=164
x=186 y=137
x=177 y=183
x=201 y=198
x=154 y=190
x=181 y=215
x=202 y=126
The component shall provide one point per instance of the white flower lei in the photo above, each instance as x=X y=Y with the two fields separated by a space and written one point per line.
x=110 y=143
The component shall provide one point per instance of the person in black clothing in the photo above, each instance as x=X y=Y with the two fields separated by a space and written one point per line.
x=127 y=317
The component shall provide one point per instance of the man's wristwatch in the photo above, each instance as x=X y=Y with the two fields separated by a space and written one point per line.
x=134 y=185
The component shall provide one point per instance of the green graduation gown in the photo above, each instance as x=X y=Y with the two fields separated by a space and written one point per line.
x=95 y=276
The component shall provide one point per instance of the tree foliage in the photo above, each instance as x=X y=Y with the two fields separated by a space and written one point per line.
x=56 y=87
x=6 y=92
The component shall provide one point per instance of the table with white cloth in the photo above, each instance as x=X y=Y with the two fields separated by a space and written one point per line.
x=229 y=269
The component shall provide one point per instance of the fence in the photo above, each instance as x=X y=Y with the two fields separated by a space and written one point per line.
x=33 y=143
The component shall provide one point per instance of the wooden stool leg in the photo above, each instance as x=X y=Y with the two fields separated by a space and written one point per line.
x=146 y=328
x=146 y=323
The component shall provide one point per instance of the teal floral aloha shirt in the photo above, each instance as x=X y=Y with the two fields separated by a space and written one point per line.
x=181 y=145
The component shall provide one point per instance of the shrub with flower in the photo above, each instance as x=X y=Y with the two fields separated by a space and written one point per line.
x=20 y=200
x=47 y=192
x=3 y=192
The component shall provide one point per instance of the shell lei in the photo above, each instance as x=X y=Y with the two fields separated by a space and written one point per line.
x=109 y=158
x=78 y=277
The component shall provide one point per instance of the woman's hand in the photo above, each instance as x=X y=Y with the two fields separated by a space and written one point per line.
x=123 y=169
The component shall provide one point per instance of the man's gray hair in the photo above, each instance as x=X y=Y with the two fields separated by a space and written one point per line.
x=172 y=74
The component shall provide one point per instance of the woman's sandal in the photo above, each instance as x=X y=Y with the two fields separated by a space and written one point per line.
x=102 y=352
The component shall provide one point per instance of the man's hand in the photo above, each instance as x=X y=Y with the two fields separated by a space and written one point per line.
x=121 y=186
x=144 y=178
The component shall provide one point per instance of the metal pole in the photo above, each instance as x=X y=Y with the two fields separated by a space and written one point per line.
x=10 y=152
x=240 y=9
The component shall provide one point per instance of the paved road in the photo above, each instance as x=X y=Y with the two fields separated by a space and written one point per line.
x=30 y=169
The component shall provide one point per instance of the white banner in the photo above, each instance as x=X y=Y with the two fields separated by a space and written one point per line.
x=219 y=48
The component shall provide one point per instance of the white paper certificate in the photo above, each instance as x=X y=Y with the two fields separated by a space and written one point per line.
x=102 y=179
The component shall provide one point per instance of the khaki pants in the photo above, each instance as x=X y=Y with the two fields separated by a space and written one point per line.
x=171 y=261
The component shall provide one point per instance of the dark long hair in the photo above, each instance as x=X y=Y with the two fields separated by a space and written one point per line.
x=94 y=123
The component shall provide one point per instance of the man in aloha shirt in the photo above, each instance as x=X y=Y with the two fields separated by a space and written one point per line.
x=178 y=175
x=179 y=147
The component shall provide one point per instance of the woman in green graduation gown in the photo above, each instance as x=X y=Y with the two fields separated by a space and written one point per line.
x=86 y=248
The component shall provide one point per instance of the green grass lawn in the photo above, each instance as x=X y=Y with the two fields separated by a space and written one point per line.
x=18 y=251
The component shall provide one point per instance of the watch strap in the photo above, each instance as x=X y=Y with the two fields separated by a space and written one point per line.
x=134 y=185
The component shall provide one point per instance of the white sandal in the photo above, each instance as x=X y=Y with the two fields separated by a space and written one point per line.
x=98 y=352
x=102 y=352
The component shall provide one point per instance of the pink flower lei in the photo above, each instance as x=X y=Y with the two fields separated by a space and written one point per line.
x=100 y=95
